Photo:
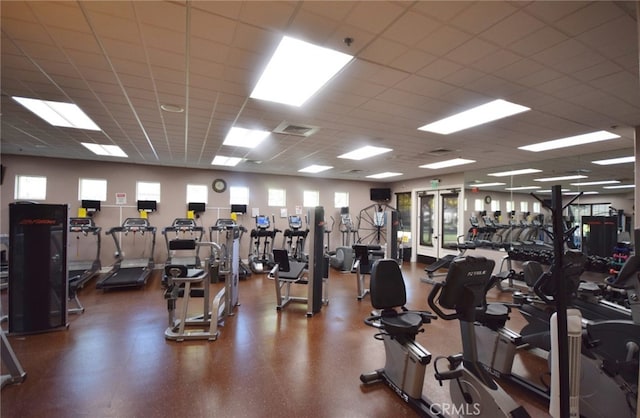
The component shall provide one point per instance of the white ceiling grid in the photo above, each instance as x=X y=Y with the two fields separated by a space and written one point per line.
x=574 y=63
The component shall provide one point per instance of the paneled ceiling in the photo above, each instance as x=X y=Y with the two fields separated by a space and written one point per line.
x=575 y=64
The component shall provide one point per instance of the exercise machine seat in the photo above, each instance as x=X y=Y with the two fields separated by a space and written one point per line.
x=288 y=269
x=388 y=292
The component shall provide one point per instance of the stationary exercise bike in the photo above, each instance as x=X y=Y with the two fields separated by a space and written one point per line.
x=473 y=391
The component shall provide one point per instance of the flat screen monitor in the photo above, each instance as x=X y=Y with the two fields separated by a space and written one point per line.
x=147 y=205
x=238 y=208
x=197 y=207
x=344 y=210
x=295 y=221
x=262 y=222
x=380 y=195
x=91 y=205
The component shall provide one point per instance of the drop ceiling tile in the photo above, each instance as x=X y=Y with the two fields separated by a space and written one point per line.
x=538 y=41
x=512 y=28
x=412 y=61
x=372 y=16
x=471 y=51
x=482 y=15
x=495 y=61
x=592 y=15
x=312 y=27
x=383 y=51
x=443 y=40
x=442 y=10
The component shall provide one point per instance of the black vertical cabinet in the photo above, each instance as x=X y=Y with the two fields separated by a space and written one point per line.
x=599 y=235
x=37 y=267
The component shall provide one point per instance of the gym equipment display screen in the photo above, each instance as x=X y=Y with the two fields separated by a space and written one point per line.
x=262 y=222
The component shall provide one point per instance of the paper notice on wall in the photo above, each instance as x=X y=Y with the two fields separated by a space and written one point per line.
x=121 y=198
x=283 y=212
x=255 y=212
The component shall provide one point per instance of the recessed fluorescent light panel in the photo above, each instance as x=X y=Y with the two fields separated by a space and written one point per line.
x=515 y=172
x=364 y=152
x=577 y=193
x=480 y=185
x=384 y=175
x=549 y=191
x=107 y=150
x=296 y=71
x=479 y=115
x=522 y=188
x=226 y=161
x=612 y=161
x=561 y=178
x=620 y=186
x=247 y=138
x=571 y=141
x=448 y=163
x=66 y=115
x=596 y=183
x=315 y=168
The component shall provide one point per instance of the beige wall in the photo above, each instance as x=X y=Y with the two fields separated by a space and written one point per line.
x=62 y=188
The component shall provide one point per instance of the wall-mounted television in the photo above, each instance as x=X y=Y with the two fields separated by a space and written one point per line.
x=380 y=195
x=238 y=208
x=147 y=205
x=91 y=205
x=197 y=207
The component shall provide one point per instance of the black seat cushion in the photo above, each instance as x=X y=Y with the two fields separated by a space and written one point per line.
x=402 y=323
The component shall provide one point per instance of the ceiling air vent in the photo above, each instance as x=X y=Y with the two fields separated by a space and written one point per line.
x=296 y=129
x=439 y=151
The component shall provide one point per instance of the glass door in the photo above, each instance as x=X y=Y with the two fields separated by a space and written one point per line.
x=438 y=222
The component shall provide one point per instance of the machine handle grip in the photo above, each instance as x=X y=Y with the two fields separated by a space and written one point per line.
x=437 y=288
x=537 y=287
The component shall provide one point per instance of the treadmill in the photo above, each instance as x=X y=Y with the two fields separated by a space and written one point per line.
x=129 y=272
x=81 y=271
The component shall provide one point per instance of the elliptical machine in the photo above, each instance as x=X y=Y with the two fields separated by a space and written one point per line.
x=261 y=259
x=342 y=258
x=295 y=238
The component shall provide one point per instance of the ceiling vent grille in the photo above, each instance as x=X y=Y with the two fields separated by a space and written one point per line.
x=439 y=151
x=296 y=129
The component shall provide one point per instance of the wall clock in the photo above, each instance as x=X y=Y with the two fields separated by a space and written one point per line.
x=219 y=185
x=487 y=199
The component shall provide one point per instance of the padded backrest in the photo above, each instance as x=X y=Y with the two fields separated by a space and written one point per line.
x=175 y=270
x=281 y=257
x=387 y=285
x=532 y=270
x=629 y=268
x=362 y=253
x=466 y=283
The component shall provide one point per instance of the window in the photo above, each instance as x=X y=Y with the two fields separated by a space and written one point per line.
x=92 y=189
x=511 y=206
x=277 y=197
x=30 y=188
x=478 y=205
x=537 y=207
x=148 y=191
x=238 y=195
x=197 y=193
x=495 y=205
x=403 y=203
x=341 y=199
x=524 y=206
x=310 y=198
